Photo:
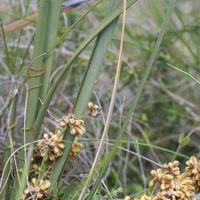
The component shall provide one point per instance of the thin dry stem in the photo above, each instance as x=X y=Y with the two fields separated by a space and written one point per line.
x=110 y=111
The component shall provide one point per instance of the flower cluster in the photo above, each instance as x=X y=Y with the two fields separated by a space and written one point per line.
x=36 y=189
x=51 y=147
x=75 y=149
x=36 y=168
x=193 y=170
x=94 y=109
x=47 y=149
x=76 y=126
x=174 y=185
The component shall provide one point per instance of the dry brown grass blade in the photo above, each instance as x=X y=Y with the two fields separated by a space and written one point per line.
x=19 y=25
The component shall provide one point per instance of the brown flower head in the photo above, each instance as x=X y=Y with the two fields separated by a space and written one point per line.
x=176 y=186
x=36 y=189
x=36 y=168
x=193 y=170
x=184 y=186
x=158 y=175
x=172 y=168
x=75 y=149
x=76 y=125
x=167 y=182
x=51 y=146
x=94 y=109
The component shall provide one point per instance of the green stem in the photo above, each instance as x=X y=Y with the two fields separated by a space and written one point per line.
x=105 y=162
x=33 y=105
x=51 y=34
x=6 y=179
x=104 y=32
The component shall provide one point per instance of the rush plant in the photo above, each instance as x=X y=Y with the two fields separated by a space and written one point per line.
x=94 y=99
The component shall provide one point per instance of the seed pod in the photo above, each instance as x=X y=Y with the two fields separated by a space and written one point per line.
x=72 y=121
x=77 y=123
x=61 y=145
x=73 y=130
x=46 y=136
x=33 y=181
x=62 y=123
x=45 y=185
x=90 y=105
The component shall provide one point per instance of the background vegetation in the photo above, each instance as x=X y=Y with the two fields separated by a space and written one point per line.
x=165 y=124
